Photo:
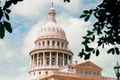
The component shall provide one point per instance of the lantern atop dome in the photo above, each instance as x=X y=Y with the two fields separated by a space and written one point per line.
x=51 y=29
x=51 y=13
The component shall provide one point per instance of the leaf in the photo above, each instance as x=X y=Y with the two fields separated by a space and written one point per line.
x=19 y=0
x=93 y=38
x=86 y=11
x=2 y=31
x=82 y=16
x=111 y=51
x=7 y=26
x=14 y=2
x=81 y=53
x=87 y=18
x=97 y=52
x=66 y=0
x=7 y=16
x=93 y=51
x=1 y=13
x=8 y=10
x=117 y=51
x=87 y=56
x=89 y=33
x=7 y=4
x=100 y=42
x=88 y=49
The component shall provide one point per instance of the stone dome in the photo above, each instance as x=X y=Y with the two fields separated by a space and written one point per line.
x=52 y=29
x=51 y=51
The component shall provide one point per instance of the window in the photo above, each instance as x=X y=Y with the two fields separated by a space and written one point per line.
x=62 y=44
x=65 y=58
x=32 y=57
x=39 y=59
x=60 y=59
x=48 y=43
x=53 y=43
x=58 y=44
x=47 y=60
x=43 y=43
x=39 y=43
x=53 y=60
x=35 y=59
x=46 y=72
x=39 y=73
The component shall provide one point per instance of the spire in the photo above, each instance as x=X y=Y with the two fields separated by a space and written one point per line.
x=51 y=12
x=52 y=4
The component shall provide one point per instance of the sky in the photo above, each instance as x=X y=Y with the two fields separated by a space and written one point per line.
x=27 y=17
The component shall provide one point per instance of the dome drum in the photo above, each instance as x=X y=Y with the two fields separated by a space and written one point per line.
x=51 y=43
x=50 y=58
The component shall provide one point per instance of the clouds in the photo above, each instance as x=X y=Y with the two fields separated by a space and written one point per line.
x=38 y=7
x=29 y=7
x=28 y=16
x=12 y=61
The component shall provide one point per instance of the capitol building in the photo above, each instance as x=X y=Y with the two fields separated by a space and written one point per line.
x=51 y=59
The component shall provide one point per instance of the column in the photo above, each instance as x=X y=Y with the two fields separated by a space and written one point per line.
x=37 y=59
x=50 y=58
x=67 y=59
x=71 y=60
x=33 y=63
x=57 y=58
x=40 y=59
x=63 y=59
x=43 y=58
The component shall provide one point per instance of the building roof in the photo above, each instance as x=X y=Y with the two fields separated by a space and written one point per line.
x=68 y=76
x=86 y=65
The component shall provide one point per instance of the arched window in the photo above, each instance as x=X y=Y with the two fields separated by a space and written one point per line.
x=48 y=43
x=35 y=59
x=43 y=43
x=60 y=59
x=32 y=57
x=47 y=58
x=58 y=44
x=65 y=58
x=53 y=43
x=39 y=43
x=46 y=72
x=39 y=73
x=62 y=44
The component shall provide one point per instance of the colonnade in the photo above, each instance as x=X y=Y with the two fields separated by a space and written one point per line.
x=50 y=59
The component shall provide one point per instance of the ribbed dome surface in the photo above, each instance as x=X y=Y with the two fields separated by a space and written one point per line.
x=51 y=29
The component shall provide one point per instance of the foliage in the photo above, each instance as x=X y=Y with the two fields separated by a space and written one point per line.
x=106 y=28
x=5 y=10
x=66 y=0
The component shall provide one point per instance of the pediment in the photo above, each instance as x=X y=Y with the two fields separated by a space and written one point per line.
x=88 y=64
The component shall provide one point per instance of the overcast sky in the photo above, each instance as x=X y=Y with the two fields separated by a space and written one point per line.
x=27 y=17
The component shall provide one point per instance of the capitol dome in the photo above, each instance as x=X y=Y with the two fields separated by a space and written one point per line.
x=52 y=29
x=51 y=50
